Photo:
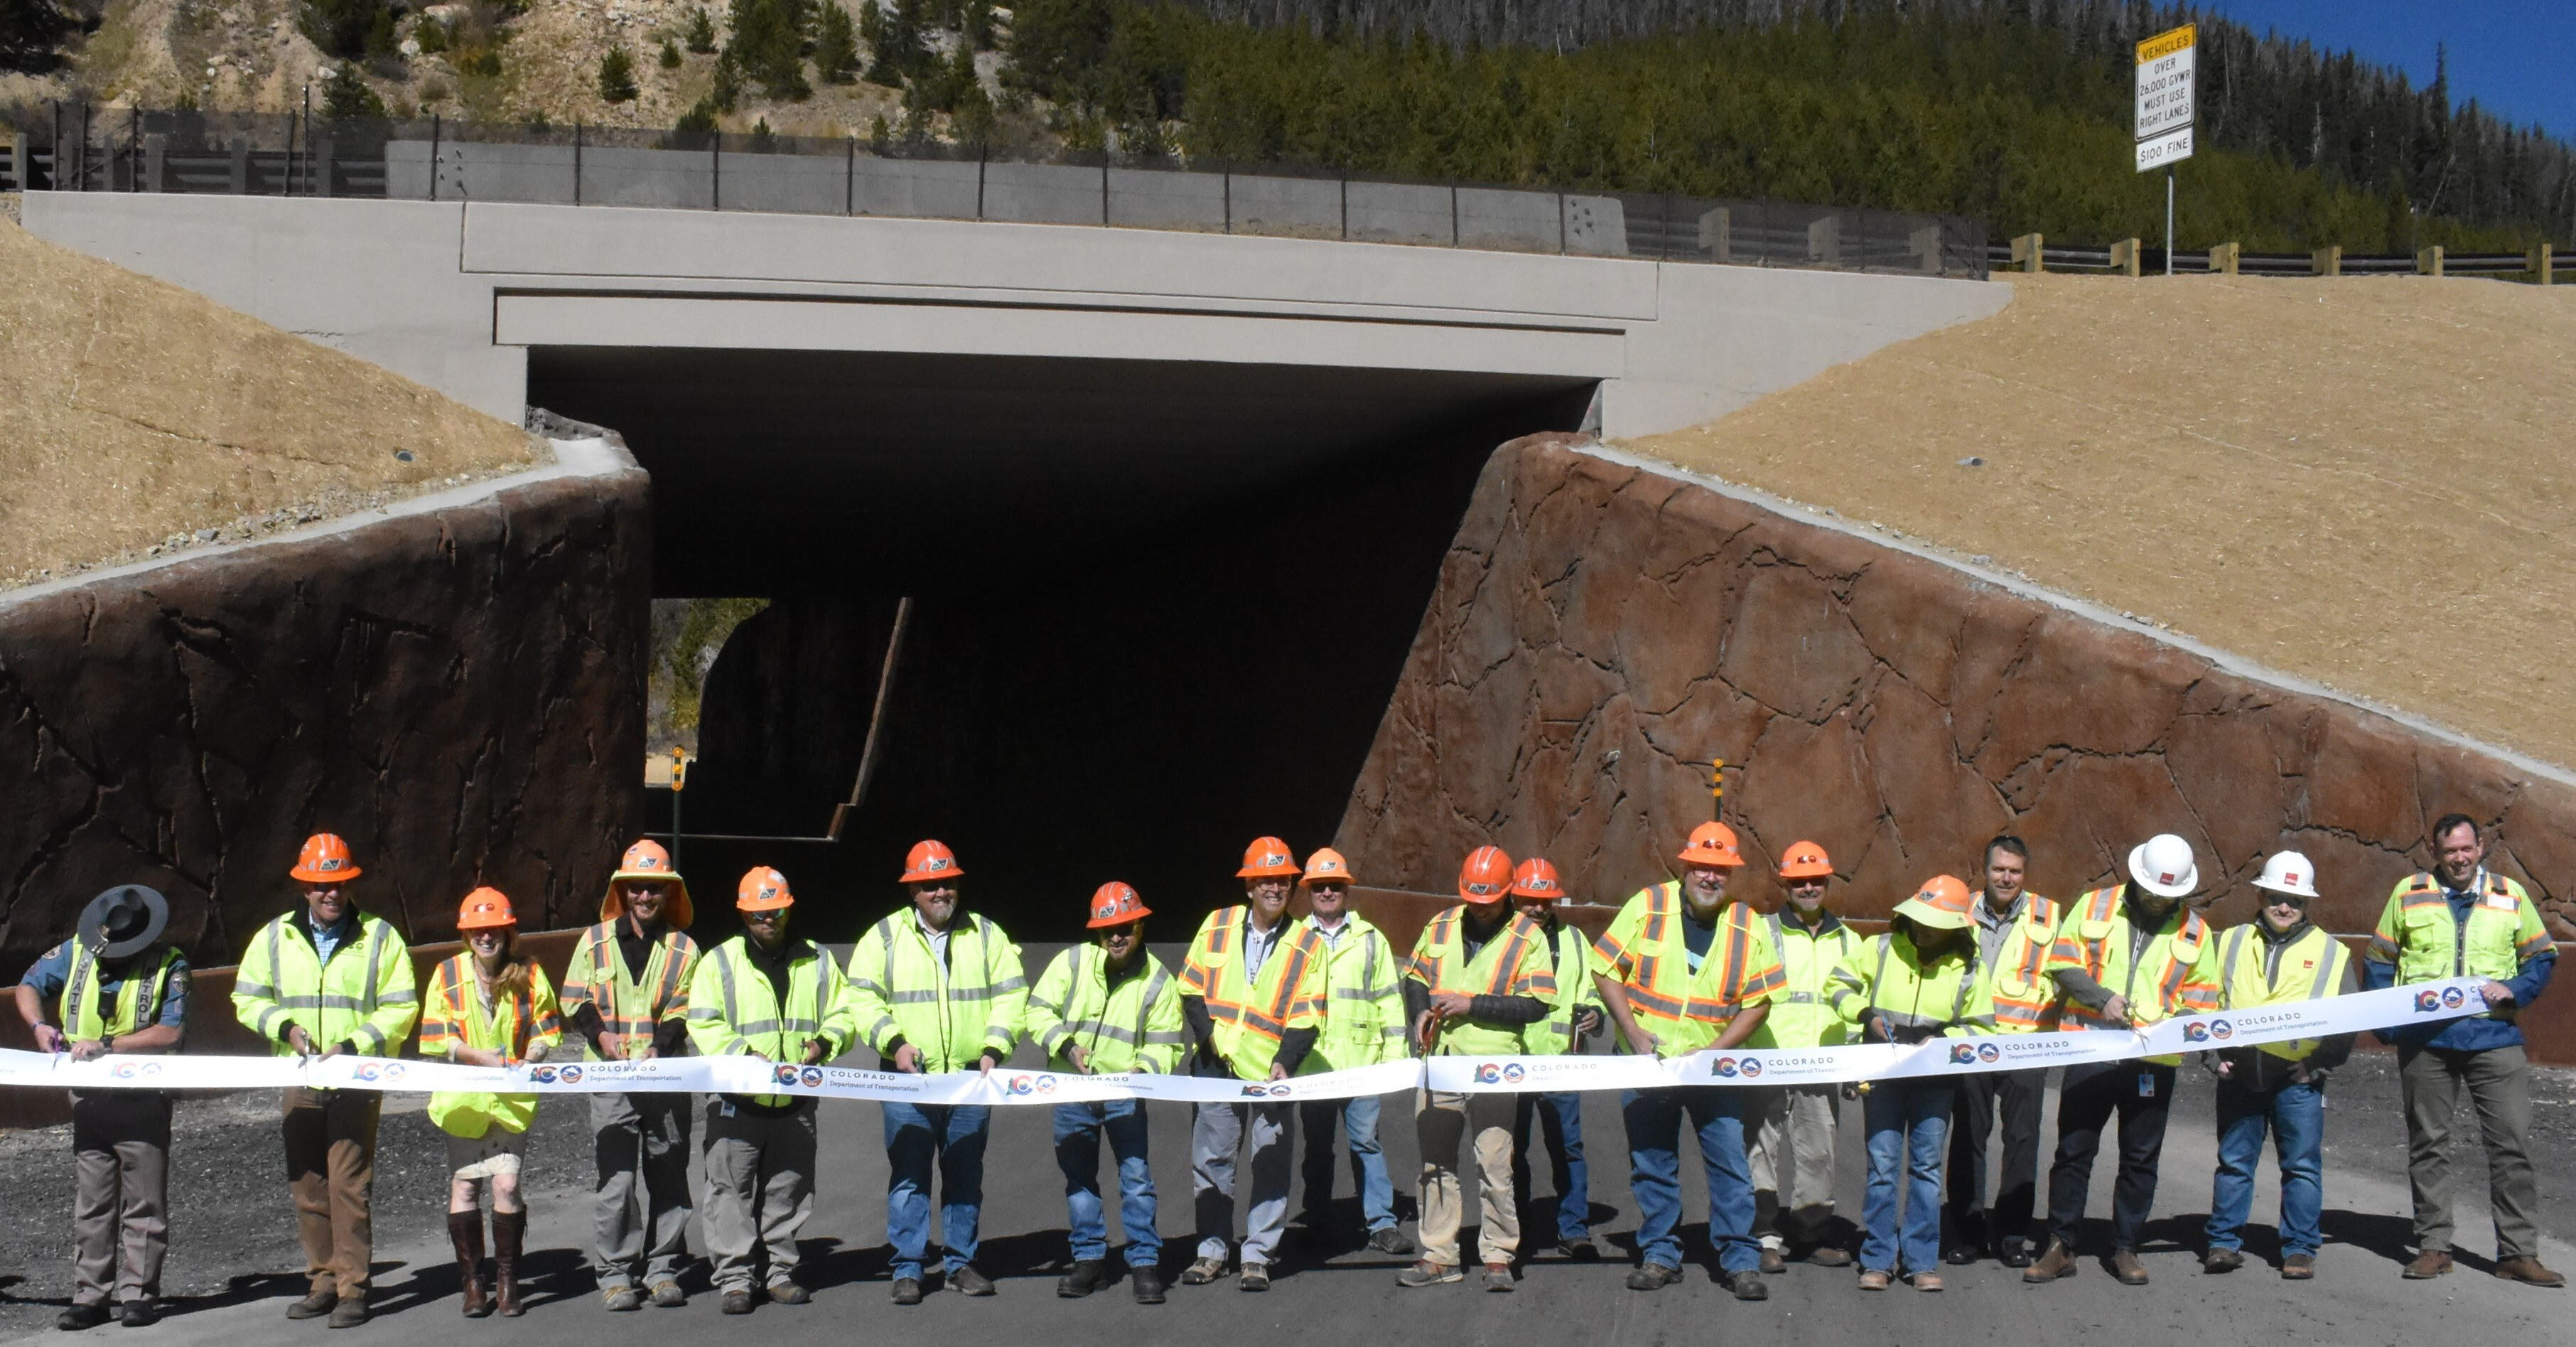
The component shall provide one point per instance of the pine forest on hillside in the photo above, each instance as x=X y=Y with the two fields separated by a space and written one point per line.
x=2013 y=111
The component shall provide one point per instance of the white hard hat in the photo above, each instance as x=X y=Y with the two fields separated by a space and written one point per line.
x=2163 y=866
x=2289 y=872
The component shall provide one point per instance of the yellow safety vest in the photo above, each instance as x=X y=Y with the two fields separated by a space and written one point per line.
x=2175 y=974
x=1247 y=1019
x=1570 y=955
x=1803 y=1014
x=366 y=996
x=1515 y=962
x=1363 y=1006
x=456 y=1015
x=2025 y=996
x=138 y=1001
x=953 y=1010
x=733 y=1012
x=629 y=1006
x=1137 y=1027
x=1917 y=1001
x=2418 y=934
x=1646 y=952
x=2309 y=968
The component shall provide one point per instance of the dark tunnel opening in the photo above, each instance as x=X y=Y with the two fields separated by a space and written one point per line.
x=1159 y=608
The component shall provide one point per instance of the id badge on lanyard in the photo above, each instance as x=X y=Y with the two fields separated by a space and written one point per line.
x=2146 y=1085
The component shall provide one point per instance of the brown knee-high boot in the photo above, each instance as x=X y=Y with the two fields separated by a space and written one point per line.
x=509 y=1228
x=465 y=1230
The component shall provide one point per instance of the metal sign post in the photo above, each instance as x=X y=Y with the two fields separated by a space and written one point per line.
x=2167 y=86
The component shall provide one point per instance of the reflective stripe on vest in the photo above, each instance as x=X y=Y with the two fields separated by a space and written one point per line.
x=633 y=1007
x=2261 y=985
x=2180 y=952
x=1441 y=964
x=2026 y=998
x=138 y=1002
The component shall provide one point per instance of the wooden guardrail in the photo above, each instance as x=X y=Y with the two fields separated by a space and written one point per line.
x=2128 y=257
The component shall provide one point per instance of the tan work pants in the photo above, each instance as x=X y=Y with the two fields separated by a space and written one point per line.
x=1789 y=1136
x=331 y=1165
x=120 y=1223
x=1440 y=1122
x=760 y=1189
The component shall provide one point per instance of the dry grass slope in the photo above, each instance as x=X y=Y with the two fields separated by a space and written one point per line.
x=142 y=417
x=2370 y=483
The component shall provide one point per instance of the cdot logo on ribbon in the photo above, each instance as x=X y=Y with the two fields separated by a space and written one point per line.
x=1723 y=1068
x=1988 y=1052
x=1277 y=1090
x=1489 y=1073
x=812 y=1075
x=1751 y=1067
x=2220 y=1030
x=2427 y=1000
x=785 y=1074
x=2452 y=999
x=570 y=1075
x=1963 y=1053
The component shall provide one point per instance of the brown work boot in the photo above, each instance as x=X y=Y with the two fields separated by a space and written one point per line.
x=2057 y=1262
x=2427 y=1265
x=1773 y=1260
x=2126 y=1267
x=2526 y=1269
x=2299 y=1267
x=465 y=1231
x=509 y=1230
x=1826 y=1255
x=314 y=1305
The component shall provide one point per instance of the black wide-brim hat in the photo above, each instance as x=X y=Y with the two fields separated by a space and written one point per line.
x=124 y=921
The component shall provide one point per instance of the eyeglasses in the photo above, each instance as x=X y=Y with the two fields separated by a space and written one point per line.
x=766 y=916
x=1806 y=883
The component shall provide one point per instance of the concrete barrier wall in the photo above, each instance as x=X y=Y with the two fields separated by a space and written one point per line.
x=1600 y=633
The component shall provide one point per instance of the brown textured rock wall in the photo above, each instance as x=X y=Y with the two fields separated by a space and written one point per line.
x=1600 y=633
x=458 y=691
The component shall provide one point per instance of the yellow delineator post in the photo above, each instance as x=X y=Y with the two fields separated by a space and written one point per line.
x=2428 y=261
x=2223 y=258
x=2026 y=253
x=2326 y=261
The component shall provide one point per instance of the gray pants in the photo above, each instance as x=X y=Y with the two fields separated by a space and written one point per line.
x=1214 y=1136
x=760 y=1189
x=642 y=1141
x=120 y=1197
x=2499 y=1084
x=1789 y=1146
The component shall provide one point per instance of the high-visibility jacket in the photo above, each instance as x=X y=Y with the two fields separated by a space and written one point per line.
x=1803 y=1015
x=1249 y=1016
x=1517 y=961
x=366 y=996
x=2252 y=972
x=1686 y=1010
x=629 y=1007
x=1918 y=1000
x=951 y=1010
x=734 y=1012
x=1570 y=955
x=2175 y=974
x=2418 y=934
x=1363 y=1006
x=2026 y=997
x=453 y=1016
x=1136 y=1026
x=138 y=1002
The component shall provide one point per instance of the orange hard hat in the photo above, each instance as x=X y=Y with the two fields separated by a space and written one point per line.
x=1266 y=856
x=1942 y=903
x=1115 y=904
x=646 y=860
x=1485 y=876
x=325 y=859
x=930 y=860
x=1326 y=866
x=1712 y=844
x=762 y=890
x=485 y=907
x=1805 y=860
x=1536 y=879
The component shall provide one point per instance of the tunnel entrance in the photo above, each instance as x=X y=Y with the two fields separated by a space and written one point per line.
x=1159 y=608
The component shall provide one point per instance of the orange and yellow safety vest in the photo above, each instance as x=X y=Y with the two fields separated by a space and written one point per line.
x=1251 y=1015
x=1686 y=1010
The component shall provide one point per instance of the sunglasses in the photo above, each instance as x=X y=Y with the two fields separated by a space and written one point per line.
x=765 y=917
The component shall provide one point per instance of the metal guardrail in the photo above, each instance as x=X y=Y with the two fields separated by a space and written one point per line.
x=63 y=147
x=2544 y=264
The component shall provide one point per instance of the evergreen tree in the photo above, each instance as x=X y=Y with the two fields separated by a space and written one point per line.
x=701 y=36
x=898 y=42
x=31 y=34
x=617 y=77
x=346 y=95
x=670 y=55
x=341 y=27
x=836 y=46
x=768 y=45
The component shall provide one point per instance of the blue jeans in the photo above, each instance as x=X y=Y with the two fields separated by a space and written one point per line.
x=1654 y=1120
x=954 y=1134
x=1368 y=1160
x=1078 y=1129
x=1909 y=1125
x=2296 y=1114
x=1560 y=1124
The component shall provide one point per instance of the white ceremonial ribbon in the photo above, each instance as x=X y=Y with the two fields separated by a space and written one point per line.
x=2392 y=1007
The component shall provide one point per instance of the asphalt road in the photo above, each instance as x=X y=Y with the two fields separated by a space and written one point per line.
x=233 y=1268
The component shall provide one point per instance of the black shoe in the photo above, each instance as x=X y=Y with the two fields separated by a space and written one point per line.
x=2014 y=1253
x=907 y=1290
x=737 y=1302
x=1580 y=1250
x=1089 y=1275
x=1747 y=1285
x=969 y=1281
x=1653 y=1277
x=1390 y=1240
x=1149 y=1285
x=79 y=1317
x=313 y=1306
x=1961 y=1255
x=138 y=1313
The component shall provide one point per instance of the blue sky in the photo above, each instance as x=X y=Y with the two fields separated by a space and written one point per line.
x=2516 y=57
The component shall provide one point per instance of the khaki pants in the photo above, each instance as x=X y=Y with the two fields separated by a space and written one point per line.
x=1440 y=1123
x=120 y=1227
x=331 y=1166
x=1791 y=1155
x=2498 y=1081
x=642 y=1144
x=760 y=1189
